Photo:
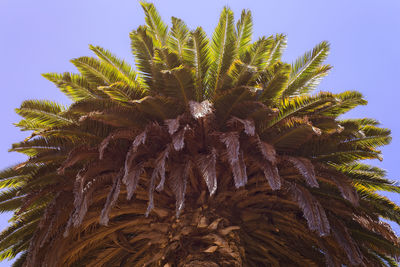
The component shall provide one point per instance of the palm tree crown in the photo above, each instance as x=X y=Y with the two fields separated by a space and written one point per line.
x=211 y=152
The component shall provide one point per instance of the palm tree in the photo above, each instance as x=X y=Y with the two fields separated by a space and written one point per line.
x=209 y=153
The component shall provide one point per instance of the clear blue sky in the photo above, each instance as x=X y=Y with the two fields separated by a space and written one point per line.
x=42 y=36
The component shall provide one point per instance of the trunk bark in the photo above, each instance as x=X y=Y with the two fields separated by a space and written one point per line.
x=225 y=251
x=211 y=248
x=197 y=263
x=202 y=238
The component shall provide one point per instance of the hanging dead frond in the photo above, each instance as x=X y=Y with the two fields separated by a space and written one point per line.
x=152 y=186
x=178 y=181
x=160 y=166
x=305 y=167
x=248 y=125
x=346 y=189
x=232 y=144
x=139 y=140
x=78 y=188
x=271 y=173
x=235 y=157
x=83 y=192
x=239 y=171
x=312 y=209
x=111 y=199
x=132 y=173
x=117 y=134
x=267 y=151
x=178 y=140
x=131 y=179
x=158 y=171
x=342 y=182
x=207 y=167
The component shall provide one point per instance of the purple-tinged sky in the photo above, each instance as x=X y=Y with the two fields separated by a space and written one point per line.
x=42 y=36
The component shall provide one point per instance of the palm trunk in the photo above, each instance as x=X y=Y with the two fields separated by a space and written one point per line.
x=228 y=254
x=198 y=263
x=210 y=242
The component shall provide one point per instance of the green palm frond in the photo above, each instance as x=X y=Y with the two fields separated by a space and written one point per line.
x=125 y=71
x=380 y=185
x=222 y=50
x=301 y=105
x=293 y=137
x=275 y=50
x=174 y=78
x=165 y=60
x=368 y=176
x=360 y=122
x=49 y=142
x=95 y=71
x=178 y=37
x=11 y=182
x=9 y=194
x=46 y=175
x=305 y=67
x=309 y=82
x=43 y=105
x=20 y=223
x=89 y=105
x=142 y=49
x=387 y=260
x=38 y=145
x=44 y=180
x=7 y=254
x=119 y=91
x=198 y=57
x=226 y=103
x=245 y=70
x=10 y=254
x=157 y=29
x=24 y=230
x=244 y=30
x=105 y=111
x=74 y=134
x=273 y=82
x=21 y=260
x=11 y=204
x=75 y=86
x=29 y=125
x=15 y=172
x=362 y=169
x=257 y=53
x=179 y=83
x=159 y=108
x=375 y=239
x=371 y=136
x=347 y=101
x=44 y=113
x=351 y=129
x=373 y=131
x=22 y=246
x=239 y=74
x=380 y=204
x=348 y=155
